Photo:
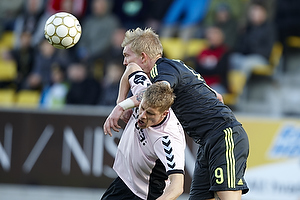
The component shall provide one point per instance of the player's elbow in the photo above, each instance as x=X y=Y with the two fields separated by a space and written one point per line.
x=177 y=193
x=178 y=183
x=180 y=191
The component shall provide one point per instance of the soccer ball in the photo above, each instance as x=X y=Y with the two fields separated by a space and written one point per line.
x=62 y=30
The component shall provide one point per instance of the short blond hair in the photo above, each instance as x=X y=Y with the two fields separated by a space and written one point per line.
x=146 y=41
x=159 y=95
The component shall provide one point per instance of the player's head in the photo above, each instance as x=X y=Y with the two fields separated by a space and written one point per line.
x=214 y=36
x=141 y=47
x=143 y=41
x=155 y=104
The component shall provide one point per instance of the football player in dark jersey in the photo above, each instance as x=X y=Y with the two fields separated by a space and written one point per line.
x=223 y=143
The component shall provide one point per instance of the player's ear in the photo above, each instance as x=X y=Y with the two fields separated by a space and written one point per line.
x=165 y=113
x=144 y=57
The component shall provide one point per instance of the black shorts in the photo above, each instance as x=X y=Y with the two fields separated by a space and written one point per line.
x=220 y=164
x=119 y=191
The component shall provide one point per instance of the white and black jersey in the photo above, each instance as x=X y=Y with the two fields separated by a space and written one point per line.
x=145 y=157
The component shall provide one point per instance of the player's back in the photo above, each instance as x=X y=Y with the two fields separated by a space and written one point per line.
x=196 y=104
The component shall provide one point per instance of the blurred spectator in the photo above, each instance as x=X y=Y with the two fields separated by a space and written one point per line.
x=183 y=18
x=110 y=84
x=115 y=51
x=287 y=19
x=97 y=32
x=45 y=58
x=237 y=10
x=132 y=13
x=113 y=54
x=83 y=89
x=224 y=19
x=54 y=95
x=24 y=58
x=75 y=7
x=270 y=6
x=9 y=10
x=31 y=20
x=156 y=13
x=255 y=42
x=212 y=62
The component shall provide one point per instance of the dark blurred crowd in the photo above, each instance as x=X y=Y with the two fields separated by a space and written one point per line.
x=240 y=34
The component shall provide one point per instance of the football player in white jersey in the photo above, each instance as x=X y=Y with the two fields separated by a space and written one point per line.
x=150 y=156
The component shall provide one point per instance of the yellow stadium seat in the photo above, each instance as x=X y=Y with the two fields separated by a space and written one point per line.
x=173 y=48
x=195 y=46
x=28 y=98
x=237 y=82
x=176 y=48
x=7 y=97
x=268 y=70
x=293 y=41
x=8 y=70
x=7 y=40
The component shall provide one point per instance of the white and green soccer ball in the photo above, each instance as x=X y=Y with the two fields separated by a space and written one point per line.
x=62 y=30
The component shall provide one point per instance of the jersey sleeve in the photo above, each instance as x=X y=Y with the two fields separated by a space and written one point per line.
x=138 y=81
x=165 y=72
x=171 y=153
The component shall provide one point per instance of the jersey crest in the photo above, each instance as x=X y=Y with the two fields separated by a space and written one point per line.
x=139 y=79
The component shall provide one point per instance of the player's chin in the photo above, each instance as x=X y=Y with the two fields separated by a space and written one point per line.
x=141 y=124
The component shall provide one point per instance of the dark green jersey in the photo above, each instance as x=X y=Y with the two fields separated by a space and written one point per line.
x=196 y=104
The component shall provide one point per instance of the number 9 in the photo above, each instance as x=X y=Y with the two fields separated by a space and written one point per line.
x=219 y=175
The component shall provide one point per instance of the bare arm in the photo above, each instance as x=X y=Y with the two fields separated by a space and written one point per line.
x=175 y=189
x=124 y=86
x=118 y=111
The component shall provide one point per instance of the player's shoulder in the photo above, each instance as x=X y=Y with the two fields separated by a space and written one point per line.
x=169 y=64
x=138 y=80
x=164 y=61
x=138 y=76
x=162 y=66
x=133 y=67
x=172 y=125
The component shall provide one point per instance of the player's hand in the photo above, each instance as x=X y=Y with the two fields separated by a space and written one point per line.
x=112 y=120
x=126 y=115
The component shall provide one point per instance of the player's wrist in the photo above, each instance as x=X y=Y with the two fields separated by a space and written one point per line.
x=126 y=104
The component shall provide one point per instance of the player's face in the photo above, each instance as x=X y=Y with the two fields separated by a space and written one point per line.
x=131 y=57
x=149 y=116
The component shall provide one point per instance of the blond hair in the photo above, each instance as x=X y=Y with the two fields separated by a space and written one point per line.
x=159 y=95
x=146 y=41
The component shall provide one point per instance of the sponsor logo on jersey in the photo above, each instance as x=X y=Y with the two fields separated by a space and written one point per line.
x=139 y=79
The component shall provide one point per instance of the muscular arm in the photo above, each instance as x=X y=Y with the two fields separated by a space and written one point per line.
x=118 y=111
x=175 y=189
x=124 y=86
